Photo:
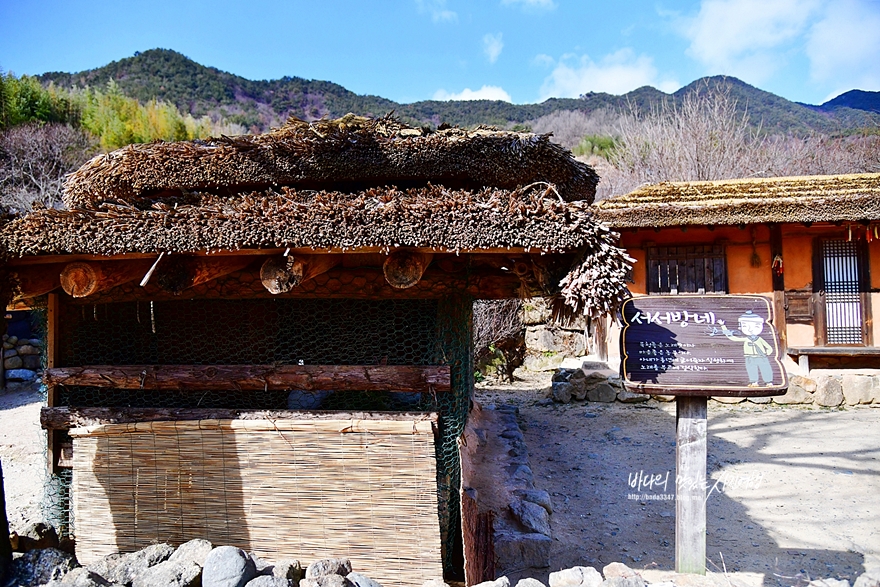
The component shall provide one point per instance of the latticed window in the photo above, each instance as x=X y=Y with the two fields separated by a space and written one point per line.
x=843 y=278
x=693 y=269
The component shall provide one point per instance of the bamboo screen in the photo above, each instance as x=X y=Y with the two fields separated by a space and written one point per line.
x=304 y=489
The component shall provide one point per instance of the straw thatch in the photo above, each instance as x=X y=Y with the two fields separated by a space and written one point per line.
x=348 y=154
x=431 y=217
x=303 y=489
x=830 y=198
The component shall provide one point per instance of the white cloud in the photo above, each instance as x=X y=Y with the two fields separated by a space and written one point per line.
x=484 y=93
x=844 y=46
x=531 y=5
x=543 y=60
x=438 y=10
x=616 y=73
x=746 y=38
x=492 y=46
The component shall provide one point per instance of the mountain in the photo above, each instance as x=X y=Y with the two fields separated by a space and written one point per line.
x=259 y=105
x=854 y=99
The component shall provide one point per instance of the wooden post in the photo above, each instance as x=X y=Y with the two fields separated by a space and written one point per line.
x=81 y=279
x=5 y=546
x=52 y=311
x=690 y=491
x=404 y=269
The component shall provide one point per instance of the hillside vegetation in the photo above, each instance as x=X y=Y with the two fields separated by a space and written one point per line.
x=258 y=105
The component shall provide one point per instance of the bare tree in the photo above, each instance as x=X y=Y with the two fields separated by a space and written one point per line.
x=498 y=330
x=34 y=158
x=569 y=127
x=704 y=138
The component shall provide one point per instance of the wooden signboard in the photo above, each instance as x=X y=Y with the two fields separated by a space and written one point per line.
x=706 y=345
x=694 y=347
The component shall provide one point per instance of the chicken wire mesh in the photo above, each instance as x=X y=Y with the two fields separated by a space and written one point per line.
x=279 y=331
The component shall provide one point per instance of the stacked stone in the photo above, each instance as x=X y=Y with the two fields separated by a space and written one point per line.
x=21 y=357
x=196 y=563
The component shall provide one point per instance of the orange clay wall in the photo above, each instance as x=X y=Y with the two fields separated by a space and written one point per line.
x=741 y=276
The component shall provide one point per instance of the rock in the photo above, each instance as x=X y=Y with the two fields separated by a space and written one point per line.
x=499 y=582
x=38 y=567
x=809 y=385
x=538 y=496
x=27 y=349
x=332 y=580
x=797 y=393
x=10 y=353
x=36 y=342
x=13 y=362
x=81 y=577
x=124 y=568
x=870 y=578
x=634 y=581
x=829 y=392
x=541 y=339
x=532 y=516
x=561 y=375
x=543 y=362
x=666 y=398
x=576 y=577
x=857 y=389
x=7 y=346
x=32 y=362
x=618 y=570
x=629 y=397
x=435 y=583
x=268 y=581
x=34 y=536
x=181 y=573
x=560 y=391
x=288 y=569
x=228 y=566
x=534 y=311
x=603 y=392
x=529 y=582
x=515 y=550
x=19 y=374
x=329 y=566
x=728 y=400
x=578 y=381
x=196 y=551
x=764 y=399
x=12 y=339
x=362 y=580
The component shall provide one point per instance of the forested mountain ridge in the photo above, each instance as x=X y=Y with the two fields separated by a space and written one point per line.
x=258 y=105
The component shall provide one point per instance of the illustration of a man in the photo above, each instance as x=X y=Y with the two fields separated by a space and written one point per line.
x=756 y=350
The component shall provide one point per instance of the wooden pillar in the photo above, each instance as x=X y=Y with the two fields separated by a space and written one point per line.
x=5 y=546
x=778 y=285
x=52 y=444
x=690 y=492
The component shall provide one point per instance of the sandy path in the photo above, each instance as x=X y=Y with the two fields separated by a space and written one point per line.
x=796 y=491
x=21 y=453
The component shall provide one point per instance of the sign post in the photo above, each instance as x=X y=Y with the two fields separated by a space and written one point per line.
x=694 y=347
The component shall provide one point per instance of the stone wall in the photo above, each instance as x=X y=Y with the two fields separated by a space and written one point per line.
x=21 y=357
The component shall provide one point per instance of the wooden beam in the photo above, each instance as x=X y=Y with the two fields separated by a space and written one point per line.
x=177 y=273
x=355 y=283
x=36 y=281
x=690 y=485
x=402 y=378
x=44 y=259
x=404 y=269
x=65 y=418
x=281 y=274
x=81 y=279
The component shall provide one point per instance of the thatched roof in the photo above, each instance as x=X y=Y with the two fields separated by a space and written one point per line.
x=348 y=154
x=377 y=217
x=824 y=198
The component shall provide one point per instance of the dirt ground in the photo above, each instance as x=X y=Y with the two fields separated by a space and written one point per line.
x=795 y=492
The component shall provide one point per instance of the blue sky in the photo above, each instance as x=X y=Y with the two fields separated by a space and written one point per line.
x=517 y=50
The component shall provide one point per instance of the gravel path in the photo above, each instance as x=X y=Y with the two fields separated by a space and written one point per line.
x=22 y=453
